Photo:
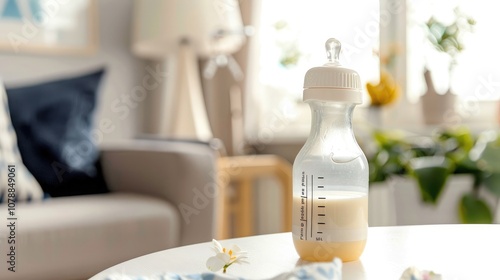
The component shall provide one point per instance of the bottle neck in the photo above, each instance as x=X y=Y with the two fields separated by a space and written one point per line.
x=331 y=121
x=331 y=135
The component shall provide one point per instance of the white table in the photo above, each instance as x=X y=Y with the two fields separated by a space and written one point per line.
x=456 y=251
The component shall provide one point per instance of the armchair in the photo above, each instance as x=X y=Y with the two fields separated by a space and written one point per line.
x=180 y=172
x=160 y=198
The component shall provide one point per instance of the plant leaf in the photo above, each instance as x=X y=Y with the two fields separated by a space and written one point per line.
x=431 y=173
x=474 y=210
x=490 y=156
x=492 y=183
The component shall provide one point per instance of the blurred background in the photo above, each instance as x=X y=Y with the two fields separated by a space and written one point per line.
x=141 y=125
x=428 y=123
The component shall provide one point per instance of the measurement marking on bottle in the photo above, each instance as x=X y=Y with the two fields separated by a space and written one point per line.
x=321 y=197
x=321 y=215
x=312 y=202
x=319 y=232
x=321 y=223
x=321 y=206
x=321 y=177
x=321 y=187
x=307 y=210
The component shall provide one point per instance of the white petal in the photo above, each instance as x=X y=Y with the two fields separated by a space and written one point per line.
x=241 y=260
x=242 y=257
x=223 y=257
x=235 y=249
x=215 y=263
x=217 y=245
x=241 y=254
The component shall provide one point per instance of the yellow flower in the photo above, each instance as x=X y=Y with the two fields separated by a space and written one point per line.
x=385 y=92
x=225 y=257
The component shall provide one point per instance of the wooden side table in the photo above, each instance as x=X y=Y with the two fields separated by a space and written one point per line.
x=242 y=171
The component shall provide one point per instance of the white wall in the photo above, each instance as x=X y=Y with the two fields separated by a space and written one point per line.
x=124 y=70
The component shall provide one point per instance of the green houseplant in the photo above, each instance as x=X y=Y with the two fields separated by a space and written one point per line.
x=446 y=39
x=431 y=160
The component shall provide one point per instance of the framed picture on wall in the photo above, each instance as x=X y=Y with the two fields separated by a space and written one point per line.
x=60 y=27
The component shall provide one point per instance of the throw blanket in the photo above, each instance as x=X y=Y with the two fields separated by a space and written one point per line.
x=313 y=271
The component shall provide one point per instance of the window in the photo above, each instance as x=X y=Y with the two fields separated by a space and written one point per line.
x=291 y=35
x=291 y=38
x=476 y=77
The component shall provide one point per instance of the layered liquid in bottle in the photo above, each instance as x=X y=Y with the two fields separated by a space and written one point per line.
x=331 y=225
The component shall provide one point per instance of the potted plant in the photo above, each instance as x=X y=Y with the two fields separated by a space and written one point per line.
x=448 y=40
x=430 y=163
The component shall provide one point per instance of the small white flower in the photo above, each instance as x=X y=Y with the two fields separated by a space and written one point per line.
x=413 y=273
x=225 y=257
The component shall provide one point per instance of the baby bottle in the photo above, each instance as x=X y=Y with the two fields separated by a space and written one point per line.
x=330 y=173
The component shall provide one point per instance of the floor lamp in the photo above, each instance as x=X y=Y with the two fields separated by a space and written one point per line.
x=182 y=31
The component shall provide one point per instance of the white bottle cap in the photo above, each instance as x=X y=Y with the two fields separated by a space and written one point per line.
x=332 y=82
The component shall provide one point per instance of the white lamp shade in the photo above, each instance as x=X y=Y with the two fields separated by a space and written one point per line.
x=160 y=26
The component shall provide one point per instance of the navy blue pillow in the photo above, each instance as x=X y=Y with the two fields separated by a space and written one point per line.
x=53 y=122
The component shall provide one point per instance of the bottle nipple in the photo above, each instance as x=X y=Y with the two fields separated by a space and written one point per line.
x=332 y=47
